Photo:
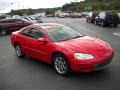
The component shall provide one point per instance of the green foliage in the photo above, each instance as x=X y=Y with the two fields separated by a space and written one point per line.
x=30 y=12
x=87 y=5
x=92 y=5
x=33 y=11
x=16 y=12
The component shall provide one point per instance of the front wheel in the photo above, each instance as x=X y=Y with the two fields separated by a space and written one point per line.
x=61 y=64
x=18 y=51
x=103 y=24
x=95 y=22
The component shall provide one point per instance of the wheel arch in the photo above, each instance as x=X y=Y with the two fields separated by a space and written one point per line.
x=16 y=43
x=55 y=53
x=67 y=61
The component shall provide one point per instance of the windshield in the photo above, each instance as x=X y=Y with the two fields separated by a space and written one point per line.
x=62 y=33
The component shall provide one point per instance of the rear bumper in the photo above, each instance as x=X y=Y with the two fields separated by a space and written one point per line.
x=112 y=21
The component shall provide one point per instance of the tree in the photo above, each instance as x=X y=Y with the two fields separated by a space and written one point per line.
x=30 y=12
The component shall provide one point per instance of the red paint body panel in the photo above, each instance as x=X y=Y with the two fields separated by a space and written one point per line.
x=101 y=51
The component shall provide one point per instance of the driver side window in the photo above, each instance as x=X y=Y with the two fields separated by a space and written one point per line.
x=33 y=33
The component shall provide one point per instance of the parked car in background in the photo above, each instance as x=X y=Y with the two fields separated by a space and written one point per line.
x=91 y=16
x=84 y=14
x=16 y=16
x=38 y=20
x=63 y=47
x=75 y=15
x=29 y=19
x=2 y=17
x=61 y=16
x=107 y=18
x=50 y=15
x=10 y=25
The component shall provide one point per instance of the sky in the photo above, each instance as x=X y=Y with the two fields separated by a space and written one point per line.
x=5 y=5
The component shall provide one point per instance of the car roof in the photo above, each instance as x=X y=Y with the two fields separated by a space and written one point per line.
x=48 y=25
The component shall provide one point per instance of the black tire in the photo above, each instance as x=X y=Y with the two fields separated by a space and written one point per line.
x=102 y=23
x=87 y=20
x=18 y=51
x=115 y=25
x=96 y=22
x=3 y=32
x=90 y=21
x=61 y=64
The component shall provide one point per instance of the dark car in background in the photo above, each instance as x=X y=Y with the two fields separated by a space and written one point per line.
x=10 y=25
x=91 y=16
x=107 y=18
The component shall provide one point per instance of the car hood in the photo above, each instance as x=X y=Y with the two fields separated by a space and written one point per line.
x=86 y=44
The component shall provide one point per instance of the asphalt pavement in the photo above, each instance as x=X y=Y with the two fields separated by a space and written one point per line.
x=30 y=74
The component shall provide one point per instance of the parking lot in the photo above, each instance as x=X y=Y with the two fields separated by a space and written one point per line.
x=30 y=74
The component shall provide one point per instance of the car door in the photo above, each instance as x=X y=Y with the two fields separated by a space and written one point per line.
x=35 y=48
x=15 y=24
x=19 y=24
x=8 y=24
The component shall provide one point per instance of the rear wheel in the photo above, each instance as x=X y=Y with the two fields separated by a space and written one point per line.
x=115 y=25
x=18 y=51
x=61 y=64
x=3 y=32
x=95 y=22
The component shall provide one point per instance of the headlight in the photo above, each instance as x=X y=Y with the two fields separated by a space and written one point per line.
x=81 y=56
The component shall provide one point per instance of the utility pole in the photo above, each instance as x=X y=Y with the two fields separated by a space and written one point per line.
x=18 y=6
x=11 y=5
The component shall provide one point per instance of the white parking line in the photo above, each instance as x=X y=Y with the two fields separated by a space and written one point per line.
x=118 y=34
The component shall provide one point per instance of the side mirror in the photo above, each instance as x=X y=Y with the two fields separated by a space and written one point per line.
x=20 y=32
x=42 y=40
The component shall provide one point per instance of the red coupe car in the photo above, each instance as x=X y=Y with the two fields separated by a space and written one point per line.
x=63 y=47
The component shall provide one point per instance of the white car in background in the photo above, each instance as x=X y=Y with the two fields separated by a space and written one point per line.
x=16 y=16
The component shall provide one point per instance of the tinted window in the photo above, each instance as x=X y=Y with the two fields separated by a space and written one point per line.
x=10 y=21
x=95 y=14
x=34 y=33
x=111 y=14
x=18 y=20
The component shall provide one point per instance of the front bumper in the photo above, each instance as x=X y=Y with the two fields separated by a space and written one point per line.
x=91 y=65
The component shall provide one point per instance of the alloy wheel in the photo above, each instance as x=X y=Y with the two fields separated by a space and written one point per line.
x=61 y=65
x=18 y=50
